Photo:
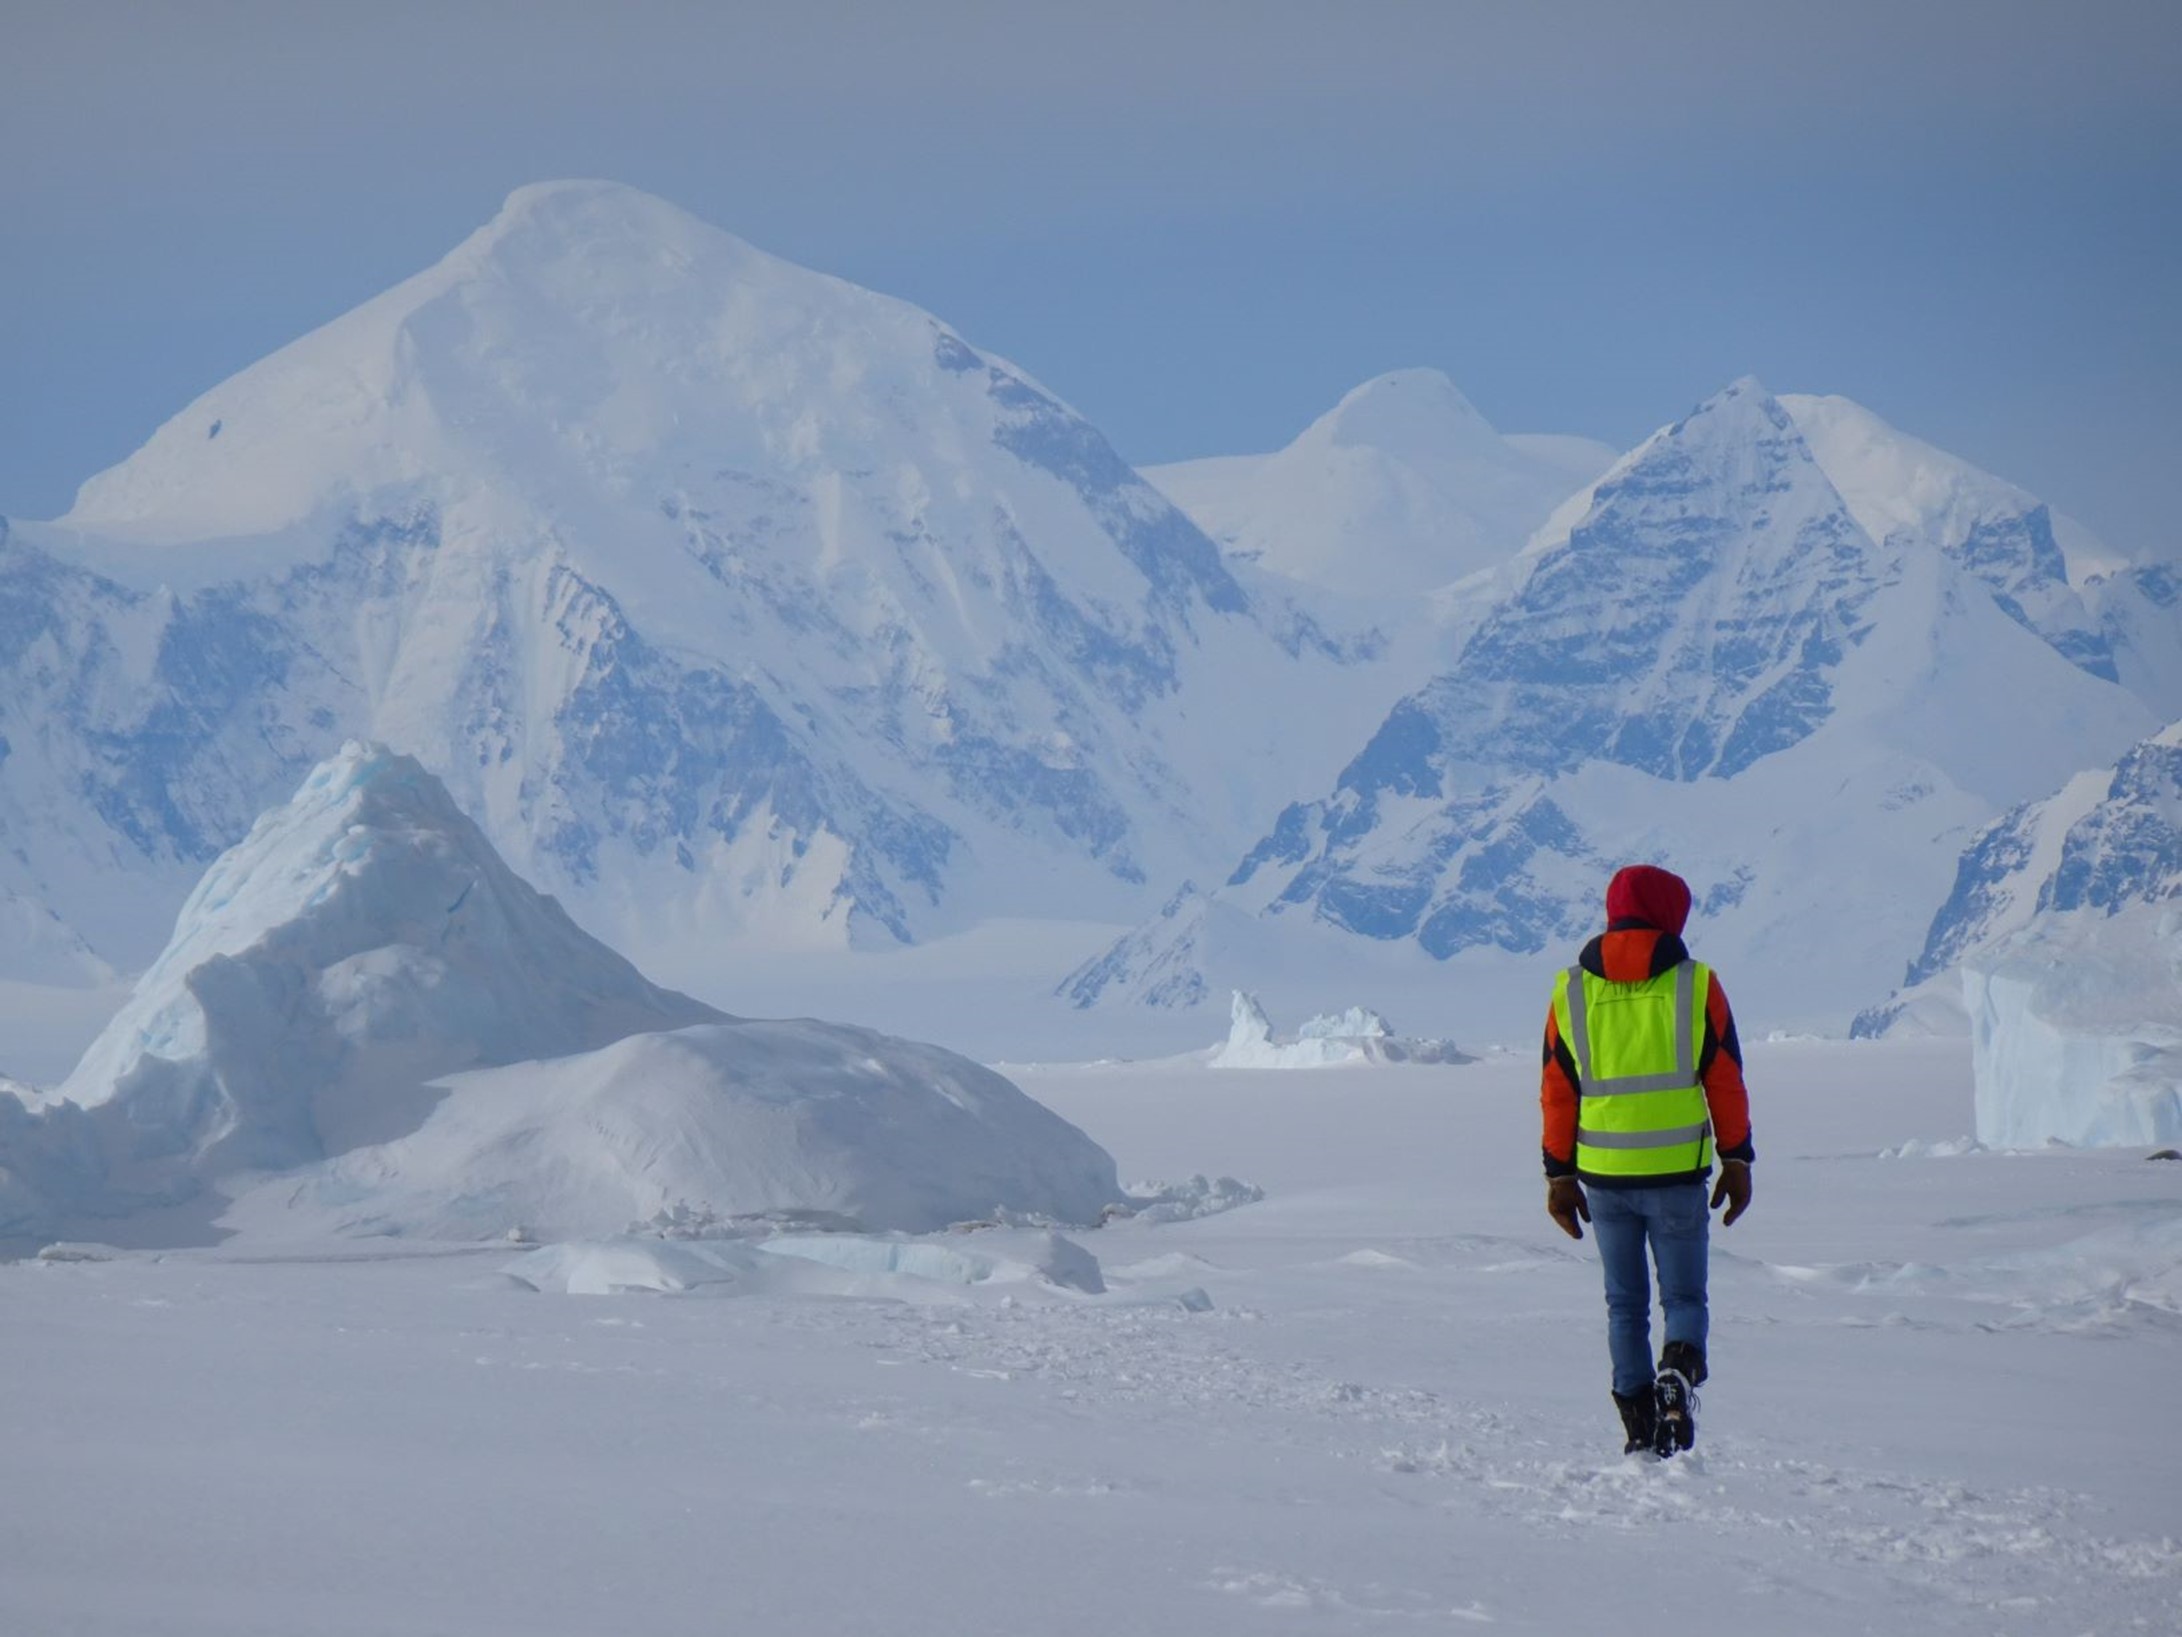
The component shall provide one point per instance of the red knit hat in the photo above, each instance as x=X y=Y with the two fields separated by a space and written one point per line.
x=1644 y=892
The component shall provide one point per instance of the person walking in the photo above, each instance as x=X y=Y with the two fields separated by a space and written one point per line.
x=1642 y=1089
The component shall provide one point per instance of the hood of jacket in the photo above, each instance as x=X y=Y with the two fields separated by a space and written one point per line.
x=1631 y=953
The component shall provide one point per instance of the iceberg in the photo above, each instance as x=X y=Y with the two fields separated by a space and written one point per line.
x=362 y=940
x=1358 y=1035
x=2076 y=1030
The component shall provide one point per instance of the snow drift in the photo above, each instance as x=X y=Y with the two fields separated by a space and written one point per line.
x=731 y=1119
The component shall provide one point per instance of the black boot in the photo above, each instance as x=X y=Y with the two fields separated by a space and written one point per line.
x=1674 y=1398
x=1636 y=1420
x=1686 y=1359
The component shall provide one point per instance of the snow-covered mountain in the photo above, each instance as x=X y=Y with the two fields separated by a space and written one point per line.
x=734 y=599
x=1710 y=661
x=1400 y=488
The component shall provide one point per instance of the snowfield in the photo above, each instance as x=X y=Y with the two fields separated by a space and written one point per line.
x=821 y=662
x=1373 y=1401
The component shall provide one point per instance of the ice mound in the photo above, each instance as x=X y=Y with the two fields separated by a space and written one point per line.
x=359 y=942
x=737 y=1119
x=1358 y=1035
x=1191 y=1198
x=2076 y=1030
x=367 y=1023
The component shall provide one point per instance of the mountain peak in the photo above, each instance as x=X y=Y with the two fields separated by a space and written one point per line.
x=598 y=221
x=1414 y=413
x=1736 y=409
x=584 y=322
x=579 y=195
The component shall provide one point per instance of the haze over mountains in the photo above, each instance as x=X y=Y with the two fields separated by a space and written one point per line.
x=742 y=606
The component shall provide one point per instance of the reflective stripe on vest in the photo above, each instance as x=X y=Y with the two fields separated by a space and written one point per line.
x=1643 y=1110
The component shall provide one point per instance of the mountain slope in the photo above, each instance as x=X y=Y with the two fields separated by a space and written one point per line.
x=1894 y=484
x=2105 y=841
x=735 y=600
x=2139 y=609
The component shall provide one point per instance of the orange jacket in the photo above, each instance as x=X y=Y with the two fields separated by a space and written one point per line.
x=1631 y=954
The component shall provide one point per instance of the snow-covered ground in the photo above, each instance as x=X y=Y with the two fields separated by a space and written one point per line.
x=1940 y=1393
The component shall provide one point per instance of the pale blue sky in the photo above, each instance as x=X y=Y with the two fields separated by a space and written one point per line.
x=1200 y=222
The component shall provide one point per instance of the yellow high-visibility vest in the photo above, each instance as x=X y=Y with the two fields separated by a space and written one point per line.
x=1642 y=1111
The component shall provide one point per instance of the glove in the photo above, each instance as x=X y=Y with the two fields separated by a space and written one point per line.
x=1733 y=1188
x=1565 y=1203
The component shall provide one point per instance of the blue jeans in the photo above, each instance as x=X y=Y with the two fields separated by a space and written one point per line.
x=1675 y=1221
